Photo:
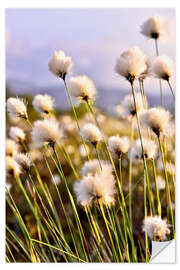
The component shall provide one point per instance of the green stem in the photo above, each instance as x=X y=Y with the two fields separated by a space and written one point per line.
x=75 y=115
x=170 y=87
x=168 y=194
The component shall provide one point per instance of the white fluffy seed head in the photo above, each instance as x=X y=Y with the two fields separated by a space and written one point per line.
x=92 y=167
x=91 y=133
x=83 y=88
x=56 y=179
x=160 y=182
x=118 y=145
x=82 y=151
x=24 y=161
x=17 y=134
x=155 y=27
x=131 y=64
x=46 y=131
x=43 y=103
x=156 y=228
x=16 y=107
x=95 y=188
x=60 y=64
x=11 y=147
x=128 y=105
x=163 y=67
x=149 y=147
x=12 y=167
x=158 y=120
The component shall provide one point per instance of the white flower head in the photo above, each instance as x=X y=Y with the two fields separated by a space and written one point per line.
x=11 y=147
x=16 y=107
x=43 y=103
x=118 y=145
x=163 y=67
x=158 y=120
x=156 y=227
x=160 y=182
x=68 y=124
x=56 y=179
x=17 y=134
x=12 y=167
x=92 y=167
x=155 y=27
x=91 y=133
x=83 y=88
x=46 y=131
x=60 y=64
x=24 y=161
x=96 y=188
x=131 y=64
x=35 y=155
x=128 y=105
x=82 y=151
x=149 y=147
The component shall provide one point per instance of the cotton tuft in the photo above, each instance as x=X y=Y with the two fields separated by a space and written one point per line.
x=60 y=64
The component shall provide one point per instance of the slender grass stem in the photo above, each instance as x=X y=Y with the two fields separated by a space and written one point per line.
x=168 y=194
x=156 y=187
x=97 y=153
x=75 y=115
x=170 y=87
x=109 y=232
x=160 y=83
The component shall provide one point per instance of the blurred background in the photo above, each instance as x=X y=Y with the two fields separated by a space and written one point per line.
x=94 y=38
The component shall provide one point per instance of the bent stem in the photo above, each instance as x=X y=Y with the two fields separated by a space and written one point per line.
x=170 y=87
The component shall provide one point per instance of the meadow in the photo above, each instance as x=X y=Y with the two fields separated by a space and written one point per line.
x=86 y=186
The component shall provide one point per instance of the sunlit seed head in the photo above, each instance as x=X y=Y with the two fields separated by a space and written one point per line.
x=60 y=64
x=158 y=120
x=155 y=27
x=156 y=227
x=43 y=103
x=11 y=147
x=46 y=131
x=118 y=145
x=161 y=184
x=12 y=167
x=35 y=155
x=16 y=107
x=56 y=179
x=17 y=134
x=82 y=151
x=149 y=147
x=131 y=64
x=98 y=188
x=24 y=161
x=68 y=124
x=92 y=167
x=91 y=133
x=129 y=107
x=83 y=88
x=163 y=67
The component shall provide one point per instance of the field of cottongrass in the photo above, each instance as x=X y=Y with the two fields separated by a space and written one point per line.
x=84 y=186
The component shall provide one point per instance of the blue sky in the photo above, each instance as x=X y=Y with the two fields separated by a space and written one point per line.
x=94 y=38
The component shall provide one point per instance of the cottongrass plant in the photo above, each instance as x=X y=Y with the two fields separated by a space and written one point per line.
x=155 y=28
x=43 y=103
x=85 y=186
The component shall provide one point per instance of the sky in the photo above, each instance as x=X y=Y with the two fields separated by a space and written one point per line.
x=94 y=38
